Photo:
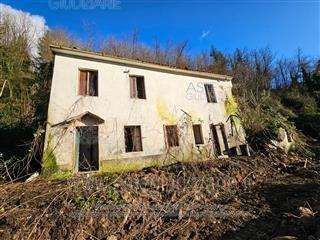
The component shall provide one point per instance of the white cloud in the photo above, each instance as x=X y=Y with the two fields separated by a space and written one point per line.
x=204 y=34
x=35 y=24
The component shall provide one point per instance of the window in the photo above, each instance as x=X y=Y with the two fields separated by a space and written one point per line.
x=132 y=135
x=211 y=97
x=137 y=89
x=88 y=83
x=172 y=138
x=197 y=132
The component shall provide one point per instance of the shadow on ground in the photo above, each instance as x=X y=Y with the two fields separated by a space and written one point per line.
x=284 y=216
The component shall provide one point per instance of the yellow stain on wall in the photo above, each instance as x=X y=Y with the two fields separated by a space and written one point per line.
x=231 y=108
x=230 y=105
x=164 y=113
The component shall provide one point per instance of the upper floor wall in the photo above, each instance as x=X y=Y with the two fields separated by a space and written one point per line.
x=165 y=93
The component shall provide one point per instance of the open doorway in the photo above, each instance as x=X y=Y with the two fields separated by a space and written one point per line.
x=218 y=133
x=88 y=151
x=224 y=139
x=215 y=140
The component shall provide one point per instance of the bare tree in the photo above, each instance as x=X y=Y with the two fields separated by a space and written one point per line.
x=180 y=58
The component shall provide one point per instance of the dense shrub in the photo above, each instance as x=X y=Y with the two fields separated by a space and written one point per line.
x=262 y=119
x=297 y=102
x=309 y=123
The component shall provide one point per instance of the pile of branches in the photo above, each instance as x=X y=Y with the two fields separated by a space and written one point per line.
x=192 y=201
x=16 y=167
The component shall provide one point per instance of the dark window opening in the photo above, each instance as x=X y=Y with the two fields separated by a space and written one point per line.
x=244 y=149
x=133 y=141
x=137 y=87
x=233 y=152
x=88 y=83
x=197 y=132
x=211 y=97
x=172 y=136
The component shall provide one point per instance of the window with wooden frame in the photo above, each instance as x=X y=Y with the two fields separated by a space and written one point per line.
x=88 y=83
x=172 y=136
x=197 y=132
x=137 y=87
x=211 y=97
x=133 y=140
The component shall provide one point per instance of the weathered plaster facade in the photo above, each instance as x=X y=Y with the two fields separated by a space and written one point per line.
x=172 y=97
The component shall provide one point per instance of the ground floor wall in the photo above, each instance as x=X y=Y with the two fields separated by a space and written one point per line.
x=63 y=142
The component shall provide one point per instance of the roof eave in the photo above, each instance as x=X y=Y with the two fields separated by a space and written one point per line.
x=135 y=63
x=80 y=117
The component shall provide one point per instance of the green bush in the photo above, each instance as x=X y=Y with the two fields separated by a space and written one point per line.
x=309 y=124
x=49 y=162
x=297 y=102
x=263 y=117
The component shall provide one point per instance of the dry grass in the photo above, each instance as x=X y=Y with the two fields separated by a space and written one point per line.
x=206 y=200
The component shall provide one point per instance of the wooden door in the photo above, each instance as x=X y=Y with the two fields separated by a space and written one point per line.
x=225 y=140
x=215 y=140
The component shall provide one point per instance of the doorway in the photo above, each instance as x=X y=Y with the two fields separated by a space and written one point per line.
x=224 y=138
x=88 y=153
x=218 y=132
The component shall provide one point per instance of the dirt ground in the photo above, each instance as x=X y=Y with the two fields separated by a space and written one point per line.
x=259 y=197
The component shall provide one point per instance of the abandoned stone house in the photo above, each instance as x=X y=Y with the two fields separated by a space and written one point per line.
x=107 y=111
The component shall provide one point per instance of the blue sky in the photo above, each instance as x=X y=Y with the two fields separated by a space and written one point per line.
x=282 y=25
